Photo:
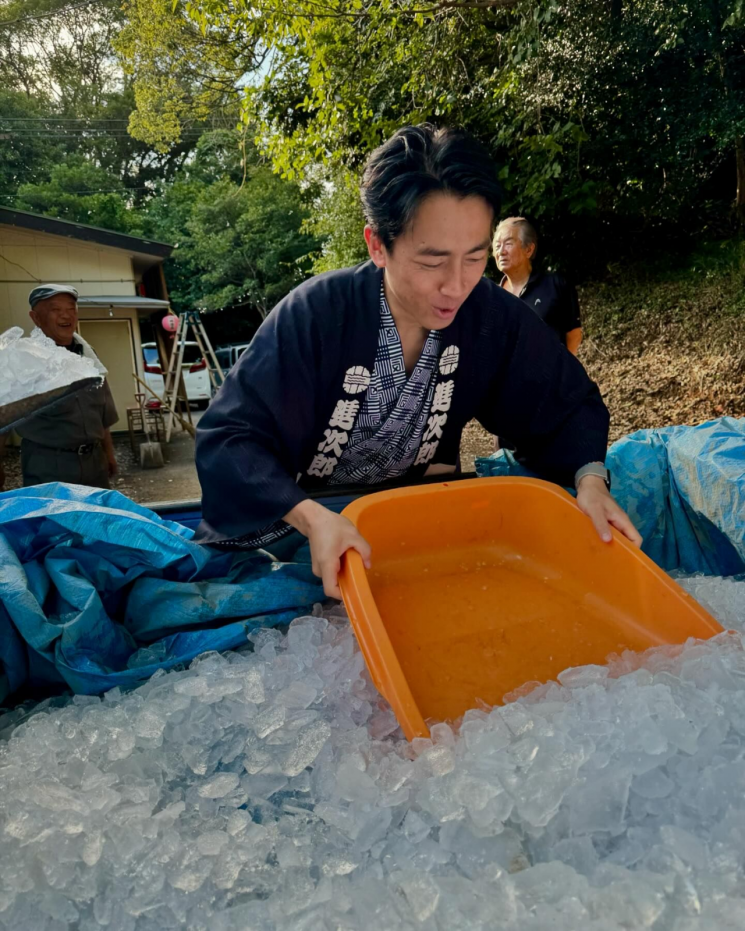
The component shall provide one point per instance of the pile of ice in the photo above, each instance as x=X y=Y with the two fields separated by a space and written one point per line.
x=272 y=790
x=34 y=364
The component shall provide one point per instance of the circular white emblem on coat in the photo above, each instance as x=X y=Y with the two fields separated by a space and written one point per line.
x=356 y=380
x=449 y=360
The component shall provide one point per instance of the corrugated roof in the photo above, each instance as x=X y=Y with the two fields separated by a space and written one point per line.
x=42 y=224
x=122 y=300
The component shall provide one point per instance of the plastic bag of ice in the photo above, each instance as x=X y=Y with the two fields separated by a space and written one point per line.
x=31 y=365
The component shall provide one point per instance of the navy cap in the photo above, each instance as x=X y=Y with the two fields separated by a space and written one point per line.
x=45 y=291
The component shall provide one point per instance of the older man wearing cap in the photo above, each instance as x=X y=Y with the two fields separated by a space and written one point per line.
x=72 y=442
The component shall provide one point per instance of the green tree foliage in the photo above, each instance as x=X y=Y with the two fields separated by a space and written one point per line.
x=83 y=193
x=23 y=158
x=64 y=93
x=186 y=74
x=594 y=108
x=338 y=221
x=652 y=92
x=240 y=242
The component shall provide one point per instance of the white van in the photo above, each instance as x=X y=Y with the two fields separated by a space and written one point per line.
x=196 y=375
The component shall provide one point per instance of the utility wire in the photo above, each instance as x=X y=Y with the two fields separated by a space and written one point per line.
x=81 y=193
x=17 y=265
x=49 y=13
x=8 y=134
x=60 y=119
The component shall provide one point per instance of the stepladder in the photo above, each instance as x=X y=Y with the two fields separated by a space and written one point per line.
x=189 y=320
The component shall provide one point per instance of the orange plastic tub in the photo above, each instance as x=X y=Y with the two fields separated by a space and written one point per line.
x=480 y=586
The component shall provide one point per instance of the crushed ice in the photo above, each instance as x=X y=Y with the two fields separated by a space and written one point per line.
x=34 y=364
x=272 y=790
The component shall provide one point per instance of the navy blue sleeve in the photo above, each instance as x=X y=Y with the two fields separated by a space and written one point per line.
x=250 y=441
x=540 y=398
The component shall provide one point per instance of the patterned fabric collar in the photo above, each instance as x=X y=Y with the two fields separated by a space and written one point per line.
x=388 y=431
x=398 y=426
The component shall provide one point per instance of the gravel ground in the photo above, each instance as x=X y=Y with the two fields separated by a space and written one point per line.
x=178 y=481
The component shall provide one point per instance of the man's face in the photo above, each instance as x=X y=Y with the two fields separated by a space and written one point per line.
x=57 y=318
x=437 y=261
x=513 y=258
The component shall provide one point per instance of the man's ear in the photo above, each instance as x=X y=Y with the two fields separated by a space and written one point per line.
x=34 y=318
x=375 y=247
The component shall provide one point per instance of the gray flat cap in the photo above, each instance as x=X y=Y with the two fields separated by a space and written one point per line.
x=49 y=290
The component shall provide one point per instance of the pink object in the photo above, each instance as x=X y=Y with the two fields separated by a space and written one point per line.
x=170 y=323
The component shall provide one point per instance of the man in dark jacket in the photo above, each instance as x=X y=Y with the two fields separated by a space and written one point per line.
x=371 y=373
x=549 y=295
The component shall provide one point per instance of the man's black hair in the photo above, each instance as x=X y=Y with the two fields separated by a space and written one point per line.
x=418 y=161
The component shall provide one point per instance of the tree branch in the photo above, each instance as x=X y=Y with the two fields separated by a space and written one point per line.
x=439 y=7
x=63 y=9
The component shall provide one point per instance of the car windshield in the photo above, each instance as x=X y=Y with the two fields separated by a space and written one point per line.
x=191 y=354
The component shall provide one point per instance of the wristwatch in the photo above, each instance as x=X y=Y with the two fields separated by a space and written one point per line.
x=593 y=468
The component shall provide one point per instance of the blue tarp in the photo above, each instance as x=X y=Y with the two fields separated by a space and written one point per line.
x=97 y=591
x=684 y=489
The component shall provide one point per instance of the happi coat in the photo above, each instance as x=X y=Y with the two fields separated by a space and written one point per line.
x=280 y=424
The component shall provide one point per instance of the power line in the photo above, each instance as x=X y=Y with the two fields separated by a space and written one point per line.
x=81 y=193
x=50 y=13
x=71 y=280
x=60 y=119
x=113 y=130
x=18 y=265
x=437 y=7
x=75 y=119
x=79 y=134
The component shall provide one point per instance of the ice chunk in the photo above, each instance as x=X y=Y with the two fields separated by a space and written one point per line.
x=421 y=893
x=309 y=743
x=415 y=828
x=211 y=843
x=219 y=786
x=579 y=676
x=599 y=805
x=33 y=365
x=653 y=784
x=272 y=789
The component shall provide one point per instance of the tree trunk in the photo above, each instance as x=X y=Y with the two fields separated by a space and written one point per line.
x=740 y=198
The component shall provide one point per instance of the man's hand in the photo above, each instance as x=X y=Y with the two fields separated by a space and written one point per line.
x=594 y=500
x=112 y=465
x=330 y=536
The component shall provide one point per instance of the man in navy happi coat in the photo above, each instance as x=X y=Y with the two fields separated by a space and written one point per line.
x=371 y=373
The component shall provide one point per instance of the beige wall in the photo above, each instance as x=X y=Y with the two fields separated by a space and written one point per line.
x=26 y=255
x=120 y=350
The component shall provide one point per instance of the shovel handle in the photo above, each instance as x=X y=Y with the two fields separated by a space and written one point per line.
x=184 y=423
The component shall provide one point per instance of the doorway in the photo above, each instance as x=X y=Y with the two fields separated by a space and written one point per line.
x=113 y=343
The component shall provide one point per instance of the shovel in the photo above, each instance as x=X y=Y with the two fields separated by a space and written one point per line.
x=18 y=412
x=151 y=454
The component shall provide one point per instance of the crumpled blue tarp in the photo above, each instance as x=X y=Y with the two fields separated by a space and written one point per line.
x=97 y=591
x=684 y=489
